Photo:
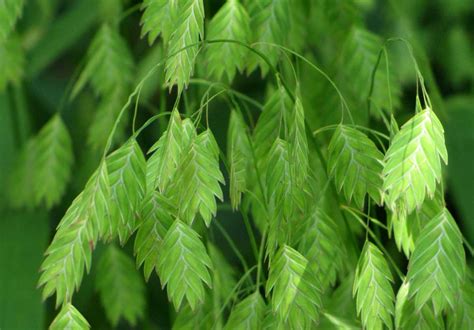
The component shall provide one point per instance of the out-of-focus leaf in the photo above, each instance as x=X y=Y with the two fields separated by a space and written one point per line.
x=23 y=238
x=460 y=143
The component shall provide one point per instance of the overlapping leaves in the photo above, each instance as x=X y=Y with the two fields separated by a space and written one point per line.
x=271 y=22
x=197 y=184
x=188 y=29
x=271 y=123
x=360 y=57
x=10 y=12
x=247 y=314
x=437 y=267
x=167 y=153
x=127 y=179
x=296 y=295
x=408 y=317
x=231 y=22
x=156 y=217
x=406 y=229
x=121 y=287
x=413 y=162
x=239 y=157
x=77 y=233
x=321 y=245
x=356 y=165
x=158 y=18
x=373 y=289
x=183 y=265
x=69 y=318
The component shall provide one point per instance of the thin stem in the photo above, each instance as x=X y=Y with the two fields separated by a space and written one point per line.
x=135 y=112
x=372 y=219
x=234 y=290
x=232 y=245
x=379 y=244
x=244 y=97
x=150 y=121
x=372 y=85
x=334 y=126
x=260 y=258
x=253 y=240
x=468 y=246
x=319 y=70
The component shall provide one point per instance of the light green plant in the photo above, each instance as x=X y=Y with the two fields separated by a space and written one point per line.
x=324 y=206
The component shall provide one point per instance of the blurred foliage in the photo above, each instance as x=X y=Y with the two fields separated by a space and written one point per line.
x=50 y=43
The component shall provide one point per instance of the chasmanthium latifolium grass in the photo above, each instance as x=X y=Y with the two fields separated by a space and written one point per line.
x=325 y=191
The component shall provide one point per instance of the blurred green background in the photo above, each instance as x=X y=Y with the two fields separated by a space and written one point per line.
x=55 y=36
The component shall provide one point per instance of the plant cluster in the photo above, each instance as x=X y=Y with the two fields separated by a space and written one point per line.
x=338 y=187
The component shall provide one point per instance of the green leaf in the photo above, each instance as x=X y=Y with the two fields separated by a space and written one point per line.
x=20 y=193
x=10 y=12
x=188 y=29
x=43 y=167
x=286 y=201
x=126 y=167
x=463 y=315
x=159 y=17
x=284 y=198
x=340 y=311
x=70 y=251
x=356 y=165
x=197 y=183
x=299 y=26
x=239 y=157
x=339 y=17
x=69 y=318
x=412 y=162
x=95 y=202
x=247 y=314
x=271 y=23
x=155 y=220
x=104 y=119
x=120 y=286
x=299 y=145
x=109 y=64
x=296 y=295
x=271 y=123
x=54 y=161
x=406 y=229
x=231 y=22
x=279 y=183
x=373 y=288
x=167 y=153
x=199 y=318
x=110 y=11
x=359 y=58
x=322 y=246
x=437 y=267
x=12 y=60
x=271 y=321
x=183 y=265
x=68 y=254
x=223 y=277
x=408 y=317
